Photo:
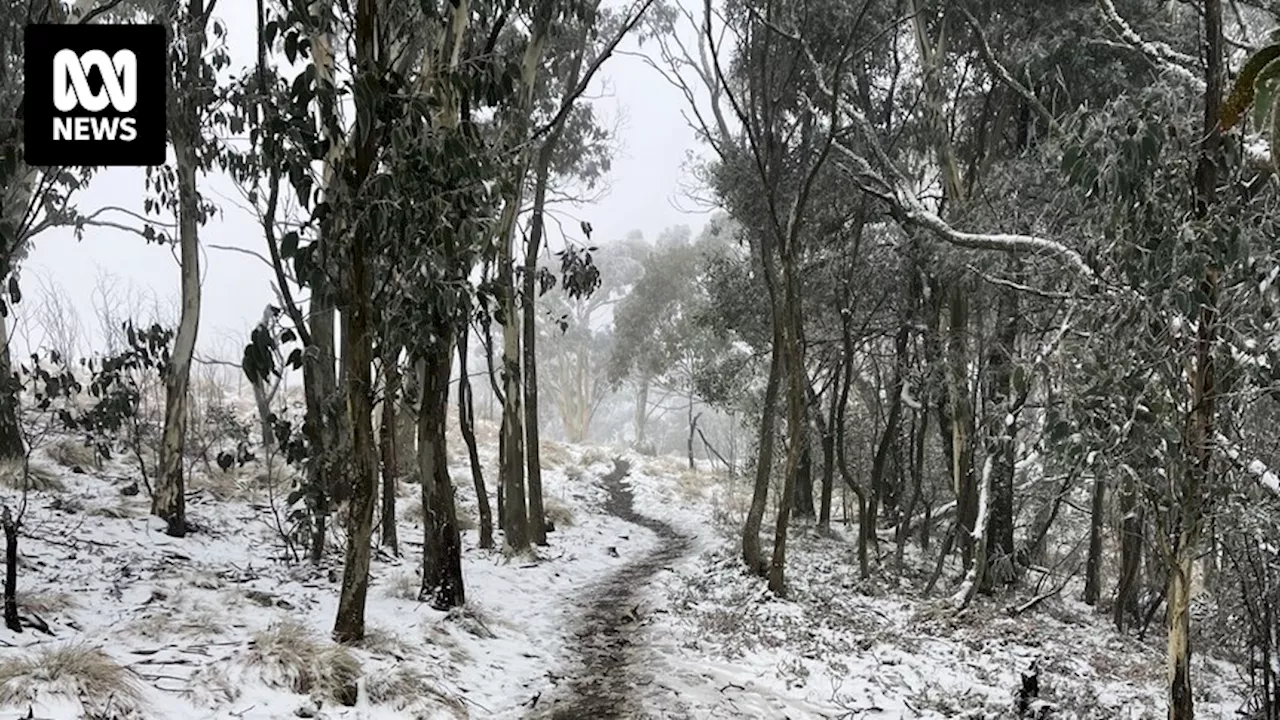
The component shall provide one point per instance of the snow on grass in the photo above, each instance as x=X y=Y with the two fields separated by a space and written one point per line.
x=839 y=646
x=222 y=625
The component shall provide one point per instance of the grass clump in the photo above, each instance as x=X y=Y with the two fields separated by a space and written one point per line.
x=291 y=657
x=408 y=688
x=40 y=478
x=558 y=513
x=70 y=453
x=77 y=672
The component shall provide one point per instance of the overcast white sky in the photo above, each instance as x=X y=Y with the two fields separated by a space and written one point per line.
x=645 y=193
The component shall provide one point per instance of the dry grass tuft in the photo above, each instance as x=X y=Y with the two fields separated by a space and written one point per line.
x=290 y=656
x=71 y=671
x=411 y=512
x=403 y=586
x=594 y=456
x=193 y=621
x=69 y=453
x=408 y=688
x=692 y=485
x=467 y=518
x=49 y=602
x=40 y=478
x=555 y=455
x=558 y=513
x=381 y=641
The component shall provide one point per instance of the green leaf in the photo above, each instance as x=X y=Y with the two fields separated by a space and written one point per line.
x=289 y=244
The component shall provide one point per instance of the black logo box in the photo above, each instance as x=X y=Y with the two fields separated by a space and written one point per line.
x=149 y=46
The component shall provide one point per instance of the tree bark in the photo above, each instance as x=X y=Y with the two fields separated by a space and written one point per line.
x=828 y=431
x=1126 y=605
x=169 y=499
x=542 y=171
x=764 y=464
x=1198 y=453
x=357 y=358
x=11 y=445
x=1093 y=565
x=466 y=423
x=961 y=423
x=387 y=445
x=11 y=619
x=1002 y=436
x=442 y=584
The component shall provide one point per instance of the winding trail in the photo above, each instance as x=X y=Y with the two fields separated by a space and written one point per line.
x=605 y=649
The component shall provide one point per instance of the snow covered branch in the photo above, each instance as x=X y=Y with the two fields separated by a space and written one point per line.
x=1159 y=53
x=1265 y=477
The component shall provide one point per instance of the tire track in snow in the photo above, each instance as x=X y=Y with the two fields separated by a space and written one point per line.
x=605 y=649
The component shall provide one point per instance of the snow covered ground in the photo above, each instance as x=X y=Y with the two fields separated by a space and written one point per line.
x=840 y=647
x=219 y=625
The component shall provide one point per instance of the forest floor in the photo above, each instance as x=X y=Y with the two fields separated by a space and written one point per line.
x=638 y=608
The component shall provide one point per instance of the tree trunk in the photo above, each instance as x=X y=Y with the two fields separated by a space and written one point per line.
x=846 y=338
x=642 y=410
x=764 y=464
x=357 y=358
x=10 y=524
x=1002 y=437
x=537 y=516
x=1179 y=609
x=829 y=452
x=961 y=424
x=11 y=445
x=797 y=437
x=1093 y=566
x=803 y=499
x=466 y=423
x=442 y=584
x=1130 y=554
x=515 y=523
x=169 y=499
x=387 y=444
x=1198 y=453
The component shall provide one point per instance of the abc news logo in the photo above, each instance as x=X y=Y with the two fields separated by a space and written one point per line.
x=94 y=95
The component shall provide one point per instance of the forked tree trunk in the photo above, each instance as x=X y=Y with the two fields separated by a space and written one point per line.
x=797 y=435
x=442 y=584
x=533 y=443
x=466 y=423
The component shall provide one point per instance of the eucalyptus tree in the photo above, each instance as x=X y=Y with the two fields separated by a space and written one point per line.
x=587 y=45
x=573 y=146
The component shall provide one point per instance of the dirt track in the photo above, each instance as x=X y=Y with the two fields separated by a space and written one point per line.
x=606 y=674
